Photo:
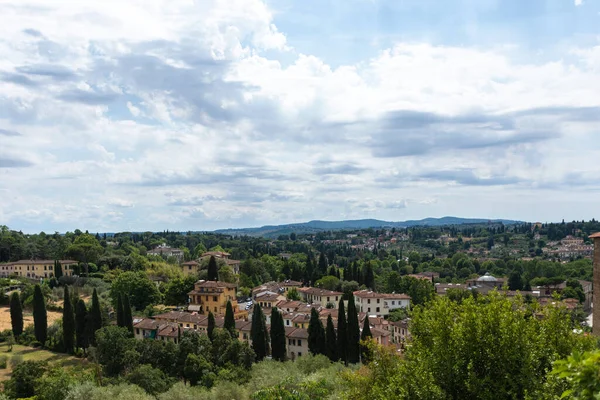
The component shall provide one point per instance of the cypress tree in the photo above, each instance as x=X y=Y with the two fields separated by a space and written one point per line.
x=80 y=325
x=322 y=263
x=40 y=317
x=68 y=323
x=316 y=334
x=16 y=314
x=213 y=272
x=277 y=336
x=58 y=272
x=258 y=333
x=229 y=323
x=369 y=276
x=95 y=317
x=332 y=351
x=353 y=333
x=365 y=335
x=211 y=325
x=342 y=334
x=120 y=316
x=127 y=317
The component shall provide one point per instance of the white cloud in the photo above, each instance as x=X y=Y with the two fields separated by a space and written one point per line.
x=233 y=126
x=578 y=2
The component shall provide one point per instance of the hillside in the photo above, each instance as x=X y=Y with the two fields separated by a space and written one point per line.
x=319 y=226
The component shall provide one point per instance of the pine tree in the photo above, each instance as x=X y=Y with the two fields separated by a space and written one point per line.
x=332 y=350
x=68 y=323
x=258 y=333
x=213 y=272
x=369 y=276
x=80 y=325
x=353 y=333
x=16 y=314
x=316 y=334
x=229 y=323
x=342 y=334
x=95 y=317
x=58 y=272
x=40 y=317
x=120 y=316
x=127 y=316
x=211 y=325
x=365 y=335
x=277 y=336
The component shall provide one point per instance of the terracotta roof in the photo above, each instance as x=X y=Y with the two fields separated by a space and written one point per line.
x=215 y=253
x=29 y=262
x=289 y=304
x=595 y=235
x=366 y=294
x=147 y=323
x=298 y=333
x=379 y=332
x=268 y=297
x=190 y=263
x=232 y=262
x=319 y=292
x=215 y=284
x=169 y=330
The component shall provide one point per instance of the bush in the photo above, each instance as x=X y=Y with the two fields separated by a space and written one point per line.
x=16 y=360
x=3 y=362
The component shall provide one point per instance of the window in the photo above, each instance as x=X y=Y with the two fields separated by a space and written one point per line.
x=336 y=298
x=328 y=299
x=137 y=331
x=215 y=299
x=190 y=267
x=369 y=309
x=299 y=342
x=299 y=353
x=393 y=302
x=377 y=309
x=377 y=301
x=289 y=342
x=369 y=301
x=215 y=309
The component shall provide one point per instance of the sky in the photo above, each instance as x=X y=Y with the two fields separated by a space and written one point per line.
x=184 y=115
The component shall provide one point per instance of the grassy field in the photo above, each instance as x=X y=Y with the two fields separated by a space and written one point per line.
x=32 y=354
x=27 y=318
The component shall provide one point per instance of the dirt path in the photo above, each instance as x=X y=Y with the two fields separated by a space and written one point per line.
x=27 y=318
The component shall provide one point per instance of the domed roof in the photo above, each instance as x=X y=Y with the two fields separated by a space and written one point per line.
x=486 y=278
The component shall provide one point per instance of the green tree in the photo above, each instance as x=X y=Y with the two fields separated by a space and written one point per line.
x=211 y=325
x=196 y=367
x=16 y=314
x=365 y=336
x=342 y=334
x=277 y=336
x=23 y=379
x=176 y=290
x=58 y=271
x=316 y=334
x=81 y=316
x=95 y=318
x=85 y=249
x=213 y=271
x=369 y=276
x=332 y=346
x=152 y=380
x=119 y=311
x=68 y=322
x=293 y=294
x=581 y=374
x=141 y=290
x=113 y=344
x=258 y=333
x=40 y=317
x=353 y=333
x=229 y=323
x=127 y=316
x=55 y=384
x=515 y=281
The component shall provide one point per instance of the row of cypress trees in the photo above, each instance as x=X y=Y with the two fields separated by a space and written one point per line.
x=79 y=323
x=343 y=345
x=124 y=316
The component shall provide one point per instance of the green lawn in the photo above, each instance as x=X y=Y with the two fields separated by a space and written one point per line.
x=33 y=354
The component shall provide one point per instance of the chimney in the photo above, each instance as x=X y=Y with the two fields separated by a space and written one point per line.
x=596 y=282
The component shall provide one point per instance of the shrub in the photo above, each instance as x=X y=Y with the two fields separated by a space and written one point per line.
x=3 y=362
x=16 y=360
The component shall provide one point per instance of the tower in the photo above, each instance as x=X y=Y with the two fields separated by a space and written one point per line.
x=596 y=281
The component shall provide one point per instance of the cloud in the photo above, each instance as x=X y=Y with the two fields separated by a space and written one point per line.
x=468 y=177
x=578 y=2
x=122 y=203
x=7 y=132
x=9 y=162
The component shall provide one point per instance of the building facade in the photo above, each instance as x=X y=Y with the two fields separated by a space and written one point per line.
x=380 y=304
x=36 y=269
x=212 y=296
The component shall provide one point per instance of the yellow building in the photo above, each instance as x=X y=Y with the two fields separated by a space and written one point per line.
x=213 y=296
x=36 y=268
x=190 y=268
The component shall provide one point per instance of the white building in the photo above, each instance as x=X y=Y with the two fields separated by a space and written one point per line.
x=380 y=304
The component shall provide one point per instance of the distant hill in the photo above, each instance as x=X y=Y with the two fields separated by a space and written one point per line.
x=319 y=226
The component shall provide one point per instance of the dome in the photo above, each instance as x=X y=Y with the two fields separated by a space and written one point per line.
x=486 y=278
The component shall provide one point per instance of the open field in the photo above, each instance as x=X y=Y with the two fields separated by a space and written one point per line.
x=27 y=318
x=33 y=354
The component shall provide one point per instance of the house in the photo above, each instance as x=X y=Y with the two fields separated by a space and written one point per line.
x=399 y=331
x=486 y=283
x=36 y=269
x=268 y=299
x=428 y=276
x=224 y=257
x=276 y=287
x=380 y=304
x=190 y=268
x=297 y=344
x=165 y=251
x=213 y=296
x=320 y=296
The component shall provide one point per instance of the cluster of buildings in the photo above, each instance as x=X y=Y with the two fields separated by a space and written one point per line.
x=213 y=296
x=194 y=267
x=36 y=269
x=572 y=247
